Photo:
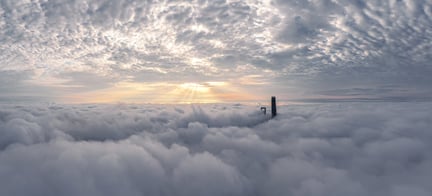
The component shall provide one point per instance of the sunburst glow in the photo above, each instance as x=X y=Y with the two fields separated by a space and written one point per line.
x=195 y=87
x=194 y=93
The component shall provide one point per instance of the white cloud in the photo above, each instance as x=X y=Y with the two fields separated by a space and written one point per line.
x=382 y=42
x=317 y=149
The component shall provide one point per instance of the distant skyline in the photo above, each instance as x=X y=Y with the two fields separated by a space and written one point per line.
x=197 y=51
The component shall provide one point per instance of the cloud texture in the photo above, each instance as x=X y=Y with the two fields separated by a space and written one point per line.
x=321 y=149
x=300 y=48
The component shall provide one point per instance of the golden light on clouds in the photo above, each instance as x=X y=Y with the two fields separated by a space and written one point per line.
x=195 y=87
x=120 y=92
x=197 y=92
x=162 y=93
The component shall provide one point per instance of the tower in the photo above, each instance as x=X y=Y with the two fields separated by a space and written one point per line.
x=273 y=106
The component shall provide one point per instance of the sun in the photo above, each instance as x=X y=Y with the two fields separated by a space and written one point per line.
x=202 y=92
x=200 y=88
x=191 y=92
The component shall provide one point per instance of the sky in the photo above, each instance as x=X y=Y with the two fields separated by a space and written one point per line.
x=327 y=149
x=165 y=51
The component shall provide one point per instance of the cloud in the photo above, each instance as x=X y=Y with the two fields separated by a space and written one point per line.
x=17 y=87
x=310 y=45
x=224 y=180
x=65 y=168
x=357 y=44
x=215 y=149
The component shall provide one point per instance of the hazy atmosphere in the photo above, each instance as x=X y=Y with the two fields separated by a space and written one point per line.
x=166 y=97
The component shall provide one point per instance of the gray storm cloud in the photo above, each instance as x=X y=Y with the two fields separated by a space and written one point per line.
x=306 y=47
x=315 y=149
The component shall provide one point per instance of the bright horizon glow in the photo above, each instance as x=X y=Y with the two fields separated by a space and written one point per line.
x=164 y=93
x=195 y=87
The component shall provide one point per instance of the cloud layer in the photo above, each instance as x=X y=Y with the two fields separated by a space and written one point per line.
x=299 y=48
x=319 y=149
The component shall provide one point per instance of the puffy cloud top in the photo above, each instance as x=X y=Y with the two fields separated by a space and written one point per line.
x=316 y=149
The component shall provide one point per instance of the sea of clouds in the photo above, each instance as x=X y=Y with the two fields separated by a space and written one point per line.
x=348 y=149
